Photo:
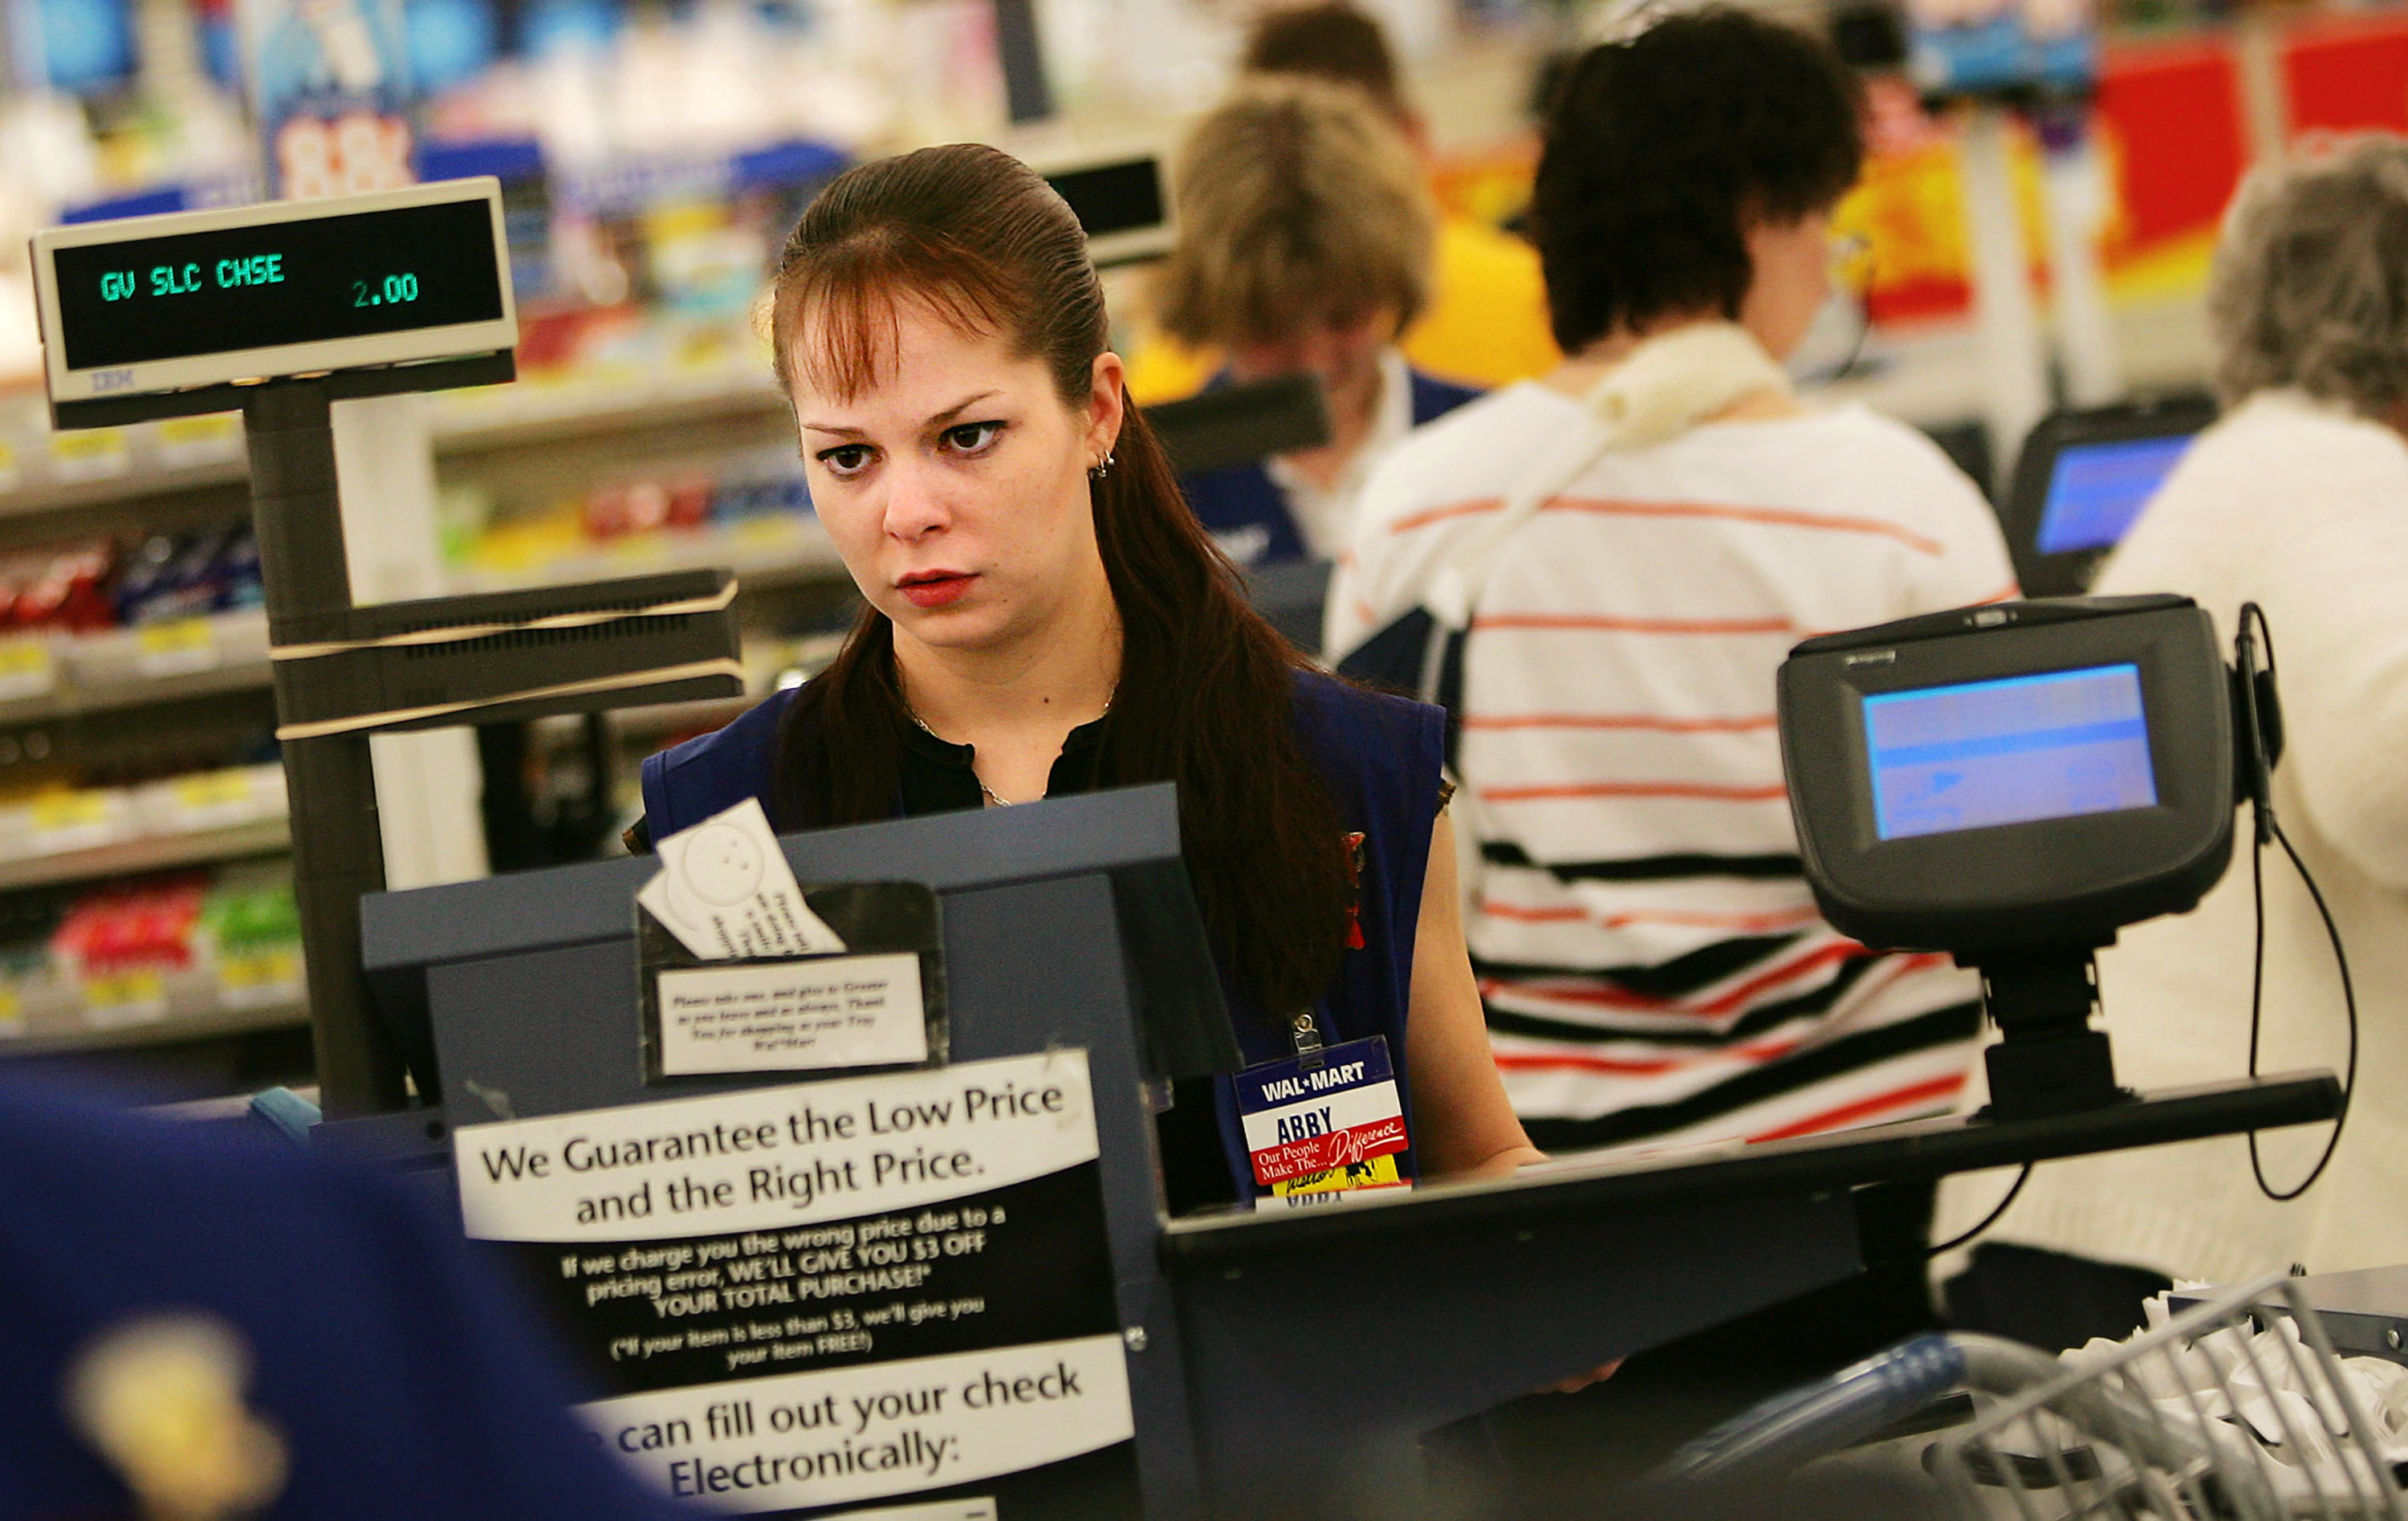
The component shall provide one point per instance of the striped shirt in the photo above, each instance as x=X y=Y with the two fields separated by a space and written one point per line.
x=1648 y=952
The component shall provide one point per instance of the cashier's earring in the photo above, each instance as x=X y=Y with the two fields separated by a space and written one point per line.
x=1096 y=472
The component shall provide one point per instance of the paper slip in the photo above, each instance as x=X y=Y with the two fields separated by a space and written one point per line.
x=724 y=890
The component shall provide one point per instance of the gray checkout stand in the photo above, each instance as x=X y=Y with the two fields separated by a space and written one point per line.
x=1277 y=1363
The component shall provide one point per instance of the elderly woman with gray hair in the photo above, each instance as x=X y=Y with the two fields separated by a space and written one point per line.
x=2297 y=500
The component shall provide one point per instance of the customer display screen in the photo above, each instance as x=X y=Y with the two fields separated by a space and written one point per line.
x=2008 y=752
x=305 y=280
x=1113 y=198
x=2096 y=491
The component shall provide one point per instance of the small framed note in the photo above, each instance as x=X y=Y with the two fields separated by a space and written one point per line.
x=797 y=1016
x=879 y=1002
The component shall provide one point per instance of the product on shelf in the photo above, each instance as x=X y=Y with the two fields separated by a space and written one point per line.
x=88 y=615
x=171 y=576
x=220 y=799
x=91 y=587
x=251 y=936
x=183 y=946
x=742 y=497
x=174 y=647
x=645 y=507
x=123 y=945
x=62 y=591
x=32 y=997
x=62 y=819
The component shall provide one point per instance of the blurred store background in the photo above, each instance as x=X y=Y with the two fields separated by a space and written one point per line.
x=2032 y=232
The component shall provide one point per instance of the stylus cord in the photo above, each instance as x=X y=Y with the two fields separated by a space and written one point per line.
x=2263 y=812
x=1987 y=1221
x=2256 y=991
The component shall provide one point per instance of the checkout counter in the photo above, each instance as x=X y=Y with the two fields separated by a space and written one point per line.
x=1286 y=1362
x=947 y=1284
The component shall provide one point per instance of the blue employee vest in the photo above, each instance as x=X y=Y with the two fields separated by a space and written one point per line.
x=1244 y=509
x=1379 y=755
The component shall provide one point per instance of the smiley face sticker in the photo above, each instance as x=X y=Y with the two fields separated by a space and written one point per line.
x=724 y=890
x=721 y=865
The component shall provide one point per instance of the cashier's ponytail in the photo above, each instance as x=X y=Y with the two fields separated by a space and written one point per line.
x=1207 y=687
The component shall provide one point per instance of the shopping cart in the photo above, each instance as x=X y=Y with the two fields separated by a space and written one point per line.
x=2231 y=1411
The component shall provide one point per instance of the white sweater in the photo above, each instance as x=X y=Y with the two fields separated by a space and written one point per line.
x=2304 y=511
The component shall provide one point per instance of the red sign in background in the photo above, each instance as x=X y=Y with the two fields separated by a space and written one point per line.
x=2347 y=76
x=2169 y=117
x=2173 y=125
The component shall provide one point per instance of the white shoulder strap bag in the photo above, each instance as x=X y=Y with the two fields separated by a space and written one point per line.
x=1667 y=386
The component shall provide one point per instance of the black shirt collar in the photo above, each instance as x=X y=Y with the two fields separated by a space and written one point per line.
x=937 y=775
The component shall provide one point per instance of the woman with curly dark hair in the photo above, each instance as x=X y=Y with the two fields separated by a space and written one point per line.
x=1629 y=546
x=1651 y=960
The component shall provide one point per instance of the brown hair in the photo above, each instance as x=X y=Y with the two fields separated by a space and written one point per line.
x=1206 y=688
x=1329 y=41
x=1296 y=201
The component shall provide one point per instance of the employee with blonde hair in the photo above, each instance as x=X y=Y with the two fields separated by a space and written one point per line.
x=1486 y=321
x=1305 y=245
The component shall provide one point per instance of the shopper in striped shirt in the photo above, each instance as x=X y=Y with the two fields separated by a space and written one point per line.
x=1650 y=957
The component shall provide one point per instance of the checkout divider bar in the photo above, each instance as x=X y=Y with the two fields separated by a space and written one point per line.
x=1909 y=1152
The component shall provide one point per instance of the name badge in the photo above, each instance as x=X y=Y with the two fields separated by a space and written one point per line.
x=1326 y=1134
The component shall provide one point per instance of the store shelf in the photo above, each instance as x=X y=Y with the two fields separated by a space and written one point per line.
x=761 y=561
x=158 y=853
x=250 y=676
x=533 y=412
x=208 y=1027
x=237 y=640
x=71 y=495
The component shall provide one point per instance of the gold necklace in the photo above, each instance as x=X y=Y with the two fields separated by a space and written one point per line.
x=994 y=797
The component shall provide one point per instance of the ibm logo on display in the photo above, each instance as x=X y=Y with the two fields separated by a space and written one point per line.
x=112 y=379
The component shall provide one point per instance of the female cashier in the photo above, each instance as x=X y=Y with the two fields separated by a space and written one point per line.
x=1045 y=616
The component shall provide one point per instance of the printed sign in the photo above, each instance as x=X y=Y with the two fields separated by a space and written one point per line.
x=878 y=1430
x=880 y=1004
x=826 y=1013
x=27 y=666
x=176 y=648
x=824 y=1294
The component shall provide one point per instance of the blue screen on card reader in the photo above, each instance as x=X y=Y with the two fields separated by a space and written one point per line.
x=1981 y=753
x=2096 y=491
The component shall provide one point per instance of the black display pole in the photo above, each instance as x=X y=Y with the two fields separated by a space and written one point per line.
x=297 y=515
x=1027 y=91
x=337 y=849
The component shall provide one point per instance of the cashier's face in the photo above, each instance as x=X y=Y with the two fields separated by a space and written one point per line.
x=954 y=482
